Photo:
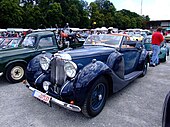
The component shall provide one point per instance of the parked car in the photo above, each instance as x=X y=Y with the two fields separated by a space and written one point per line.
x=82 y=78
x=5 y=42
x=167 y=37
x=164 y=52
x=10 y=43
x=137 y=37
x=1 y=40
x=13 y=61
x=166 y=112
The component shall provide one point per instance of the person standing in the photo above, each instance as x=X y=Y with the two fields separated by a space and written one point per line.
x=157 y=38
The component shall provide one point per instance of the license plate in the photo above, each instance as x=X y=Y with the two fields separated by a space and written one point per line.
x=41 y=96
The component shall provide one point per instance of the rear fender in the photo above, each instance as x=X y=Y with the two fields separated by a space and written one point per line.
x=144 y=56
x=116 y=62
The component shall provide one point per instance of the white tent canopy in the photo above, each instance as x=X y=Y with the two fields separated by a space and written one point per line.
x=104 y=28
x=3 y=30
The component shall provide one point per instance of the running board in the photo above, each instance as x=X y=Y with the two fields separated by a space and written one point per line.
x=133 y=75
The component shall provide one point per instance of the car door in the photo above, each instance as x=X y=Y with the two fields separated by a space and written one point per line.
x=130 y=54
x=48 y=44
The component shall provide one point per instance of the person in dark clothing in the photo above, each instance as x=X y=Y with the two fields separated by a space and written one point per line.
x=109 y=31
x=157 y=38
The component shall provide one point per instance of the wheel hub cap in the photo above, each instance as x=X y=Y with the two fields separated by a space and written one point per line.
x=17 y=73
x=100 y=97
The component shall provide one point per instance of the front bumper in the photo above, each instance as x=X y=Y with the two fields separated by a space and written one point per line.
x=68 y=106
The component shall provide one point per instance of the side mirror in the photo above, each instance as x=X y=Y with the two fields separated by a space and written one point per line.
x=166 y=112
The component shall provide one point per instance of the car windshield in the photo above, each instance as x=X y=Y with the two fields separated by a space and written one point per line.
x=137 y=35
x=1 y=40
x=14 y=42
x=6 y=41
x=29 y=41
x=104 y=39
x=148 y=40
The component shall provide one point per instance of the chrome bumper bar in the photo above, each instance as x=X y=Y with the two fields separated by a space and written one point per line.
x=60 y=103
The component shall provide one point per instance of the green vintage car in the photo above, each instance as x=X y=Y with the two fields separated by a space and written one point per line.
x=13 y=61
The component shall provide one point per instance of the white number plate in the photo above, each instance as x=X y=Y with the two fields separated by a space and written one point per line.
x=41 y=96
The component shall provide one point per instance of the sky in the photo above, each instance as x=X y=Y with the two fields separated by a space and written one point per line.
x=156 y=9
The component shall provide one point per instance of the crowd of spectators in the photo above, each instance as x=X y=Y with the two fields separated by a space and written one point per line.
x=5 y=34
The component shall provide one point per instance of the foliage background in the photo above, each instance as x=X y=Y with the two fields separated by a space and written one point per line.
x=78 y=13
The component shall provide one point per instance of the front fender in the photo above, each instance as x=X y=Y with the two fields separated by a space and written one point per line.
x=33 y=70
x=39 y=81
x=85 y=79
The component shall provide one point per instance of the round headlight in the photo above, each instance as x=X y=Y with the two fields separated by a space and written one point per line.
x=70 y=69
x=46 y=85
x=44 y=63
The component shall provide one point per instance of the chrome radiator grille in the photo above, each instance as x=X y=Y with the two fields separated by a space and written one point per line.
x=58 y=75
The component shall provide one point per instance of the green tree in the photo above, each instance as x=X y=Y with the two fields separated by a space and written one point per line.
x=77 y=13
x=95 y=15
x=107 y=9
x=54 y=14
x=73 y=16
x=118 y=19
x=133 y=23
x=11 y=14
x=139 y=22
x=32 y=16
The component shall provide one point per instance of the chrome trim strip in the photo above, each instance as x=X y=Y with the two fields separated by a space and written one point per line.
x=63 y=87
x=59 y=102
x=38 y=78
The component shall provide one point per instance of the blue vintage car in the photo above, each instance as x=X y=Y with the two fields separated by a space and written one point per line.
x=81 y=79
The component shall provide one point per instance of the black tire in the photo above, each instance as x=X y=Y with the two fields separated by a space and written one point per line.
x=15 y=73
x=167 y=53
x=164 y=59
x=144 y=69
x=96 y=98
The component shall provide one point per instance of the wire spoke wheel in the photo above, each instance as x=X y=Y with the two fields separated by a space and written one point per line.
x=96 y=98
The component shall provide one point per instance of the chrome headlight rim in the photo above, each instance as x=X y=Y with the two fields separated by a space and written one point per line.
x=44 y=63
x=70 y=69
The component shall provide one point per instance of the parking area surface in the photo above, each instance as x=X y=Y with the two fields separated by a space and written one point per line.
x=137 y=105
